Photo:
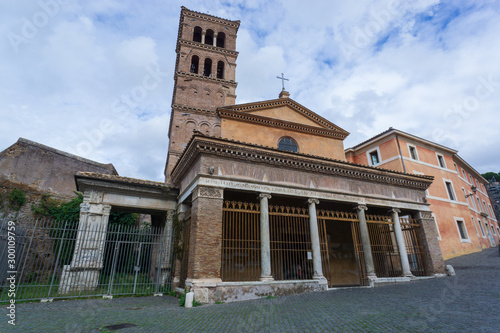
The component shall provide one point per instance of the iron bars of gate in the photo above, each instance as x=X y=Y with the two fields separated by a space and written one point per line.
x=291 y=249
x=133 y=260
x=417 y=254
x=241 y=241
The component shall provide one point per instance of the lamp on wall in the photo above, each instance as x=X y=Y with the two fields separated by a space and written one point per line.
x=474 y=190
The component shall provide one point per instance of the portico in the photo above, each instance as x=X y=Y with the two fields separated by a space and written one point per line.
x=266 y=229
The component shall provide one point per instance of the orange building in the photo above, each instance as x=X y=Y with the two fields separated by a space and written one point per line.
x=459 y=201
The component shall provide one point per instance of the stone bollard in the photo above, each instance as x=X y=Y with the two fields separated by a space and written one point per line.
x=450 y=270
x=189 y=299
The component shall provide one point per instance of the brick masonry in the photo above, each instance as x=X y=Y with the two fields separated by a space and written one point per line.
x=206 y=234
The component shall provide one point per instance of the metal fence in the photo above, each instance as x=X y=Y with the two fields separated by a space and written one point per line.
x=55 y=259
x=241 y=241
x=291 y=248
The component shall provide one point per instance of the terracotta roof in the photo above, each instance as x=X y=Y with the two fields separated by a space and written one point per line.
x=120 y=179
x=198 y=135
x=396 y=131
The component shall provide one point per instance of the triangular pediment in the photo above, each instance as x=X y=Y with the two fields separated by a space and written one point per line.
x=283 y=110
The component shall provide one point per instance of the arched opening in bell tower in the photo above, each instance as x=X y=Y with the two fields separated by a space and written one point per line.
x=209 y=37
x=197 y=34
x=195 y=60
x=207 y=69
x=221 y=39
x=220 y=70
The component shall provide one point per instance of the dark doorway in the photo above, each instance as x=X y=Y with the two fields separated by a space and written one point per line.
x=344 y=268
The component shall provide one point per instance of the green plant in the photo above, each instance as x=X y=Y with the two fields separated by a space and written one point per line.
x=182 y=299
x=196 y=303
x=16 y=199
x=220 y=302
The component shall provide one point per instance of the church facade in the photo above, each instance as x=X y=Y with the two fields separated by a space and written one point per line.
x=268 y=203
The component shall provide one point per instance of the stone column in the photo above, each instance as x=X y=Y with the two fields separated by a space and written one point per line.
x=316 y=250
x=84 y=270
x=162 y=258
x=203 y=33
x=365 y=240
x=215 y=40
x=265 y=242
x=405 y=264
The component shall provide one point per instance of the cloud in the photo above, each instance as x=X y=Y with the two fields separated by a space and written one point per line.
x=415 y=66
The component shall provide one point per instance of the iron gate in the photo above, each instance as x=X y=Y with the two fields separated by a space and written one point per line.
x=136 y=261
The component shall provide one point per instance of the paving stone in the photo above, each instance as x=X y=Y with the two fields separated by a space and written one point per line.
x=468 y=302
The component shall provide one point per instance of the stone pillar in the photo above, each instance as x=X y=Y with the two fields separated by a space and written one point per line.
x=405 y=264
x=429 y=239
x=265 y=242
x=365 y=240
x=215 y=40
x=161 y=259
x=203 y=33
x=83 y=272
x=205 y=242
x=315 y=243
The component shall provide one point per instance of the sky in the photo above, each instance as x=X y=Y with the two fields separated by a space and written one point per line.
x=95 y=78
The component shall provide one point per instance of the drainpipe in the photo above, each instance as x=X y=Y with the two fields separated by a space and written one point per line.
x=400 y=154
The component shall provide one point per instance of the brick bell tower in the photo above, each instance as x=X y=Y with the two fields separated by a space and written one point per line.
x=204 y=79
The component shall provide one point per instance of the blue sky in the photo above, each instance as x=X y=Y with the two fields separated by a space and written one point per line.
x=73 y=71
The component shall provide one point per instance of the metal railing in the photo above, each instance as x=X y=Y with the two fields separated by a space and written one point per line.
x=241 y=241
x=57 y=259
x=291 y=249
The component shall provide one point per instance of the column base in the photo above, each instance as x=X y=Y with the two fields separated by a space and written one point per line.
x=408 y=275
x=320 y=278
x=266 y=278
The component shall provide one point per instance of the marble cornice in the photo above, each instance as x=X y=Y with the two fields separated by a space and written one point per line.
x=200 y=144
x=256 y=119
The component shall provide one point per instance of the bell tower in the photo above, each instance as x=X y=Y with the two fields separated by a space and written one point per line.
x=204 y=79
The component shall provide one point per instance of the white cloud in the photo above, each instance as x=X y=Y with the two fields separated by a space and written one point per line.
x=410 y=65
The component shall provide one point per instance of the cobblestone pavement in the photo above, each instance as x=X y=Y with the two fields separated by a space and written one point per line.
x=469 y=302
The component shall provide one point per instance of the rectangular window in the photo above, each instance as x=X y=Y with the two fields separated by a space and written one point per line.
x=374 y=158
x=449 y=188
x=456 y=168
x=475 y=226
x=413 y=152
x=466 y=199
x=491 y=211
x=481 y=227
x=463 y=173
x=441 y=162
x=462 y=230
x=484 y=206
x=471 y=180
x=473 y=202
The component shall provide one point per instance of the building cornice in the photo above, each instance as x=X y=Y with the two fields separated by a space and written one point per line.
x=201 y=144
x=198 y=45
x=286 y=102
x=273 y=122
x=205 y=78
x=207 y=17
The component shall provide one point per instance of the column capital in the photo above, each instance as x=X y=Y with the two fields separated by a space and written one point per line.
x=313 y=201
x=170 y=214
x=394 y=210
x=361 y=207
x=265 y=195
x=207 y=192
